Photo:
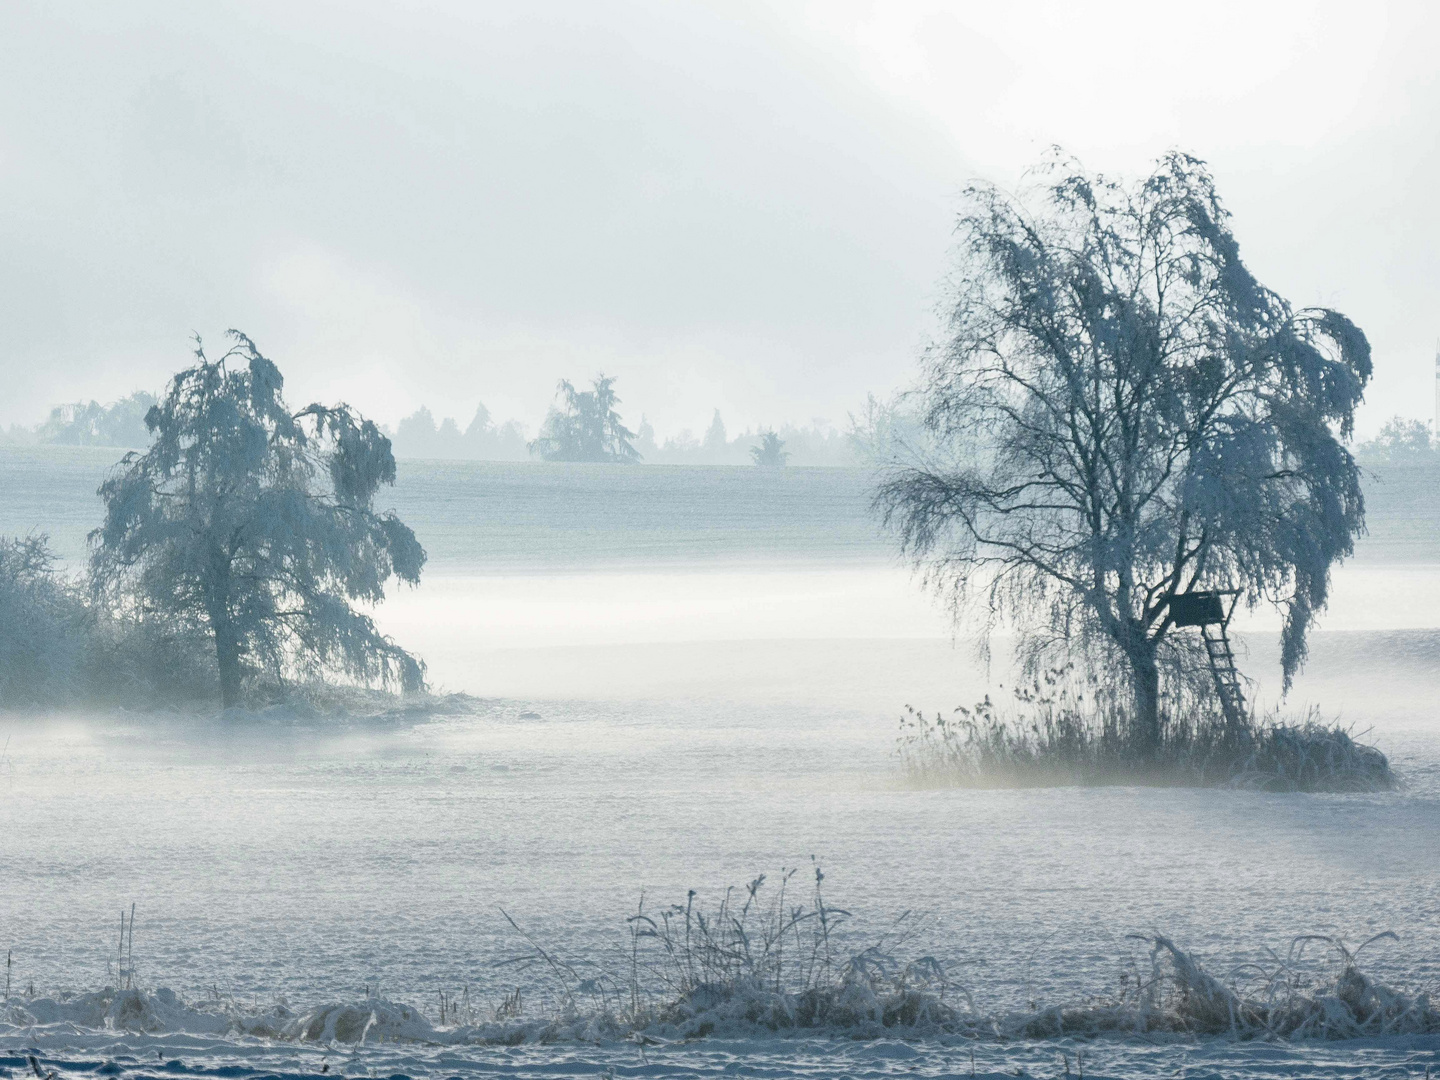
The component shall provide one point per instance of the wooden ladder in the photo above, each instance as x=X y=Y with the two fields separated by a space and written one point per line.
x=1224 y=672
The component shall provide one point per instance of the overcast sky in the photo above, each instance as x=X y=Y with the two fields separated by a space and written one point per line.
x=741 y=205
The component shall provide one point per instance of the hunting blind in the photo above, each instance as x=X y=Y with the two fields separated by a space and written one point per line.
x=1209 y=612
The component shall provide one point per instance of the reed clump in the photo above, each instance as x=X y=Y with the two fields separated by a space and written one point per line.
x=1280 y=996
x=762 y=957
x=754 y=962
x=1053 y=735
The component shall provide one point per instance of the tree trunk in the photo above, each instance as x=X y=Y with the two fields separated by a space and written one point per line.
x=222 y=627
x=227 y=655
x=1145 y=681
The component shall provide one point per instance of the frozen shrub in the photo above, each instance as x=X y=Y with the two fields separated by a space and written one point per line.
x=44 y=626
x=58 y=649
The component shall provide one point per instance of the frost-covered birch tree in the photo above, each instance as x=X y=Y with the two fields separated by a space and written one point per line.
x=257 y=527
x=1120 y=412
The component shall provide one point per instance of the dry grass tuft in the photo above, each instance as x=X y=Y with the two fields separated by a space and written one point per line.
x=771 y=964
x=1052 y=737
x=1282 y=997
x=765 y=958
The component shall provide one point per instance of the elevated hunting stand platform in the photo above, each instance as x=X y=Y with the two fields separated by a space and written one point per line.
x=1210 y=612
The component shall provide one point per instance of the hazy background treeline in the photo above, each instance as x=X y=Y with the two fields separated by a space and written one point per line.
x=1401 y=441
x=81 y=423
x=423 y=435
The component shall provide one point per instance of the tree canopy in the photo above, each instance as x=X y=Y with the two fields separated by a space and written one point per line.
x=1120 y=413
x=586 y=427
x=257 y=526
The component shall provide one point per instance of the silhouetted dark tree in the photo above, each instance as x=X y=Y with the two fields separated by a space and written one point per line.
x=586 y=427
x=256 y=525
x=1121 y=413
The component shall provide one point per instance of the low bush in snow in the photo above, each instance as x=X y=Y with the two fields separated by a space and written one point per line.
x=58 y=648
x=43 y=625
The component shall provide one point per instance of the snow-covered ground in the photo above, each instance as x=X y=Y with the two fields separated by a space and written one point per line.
x=697 y=703
x=177 y=1055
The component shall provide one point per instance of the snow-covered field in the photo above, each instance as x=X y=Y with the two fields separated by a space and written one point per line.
x=690 y=677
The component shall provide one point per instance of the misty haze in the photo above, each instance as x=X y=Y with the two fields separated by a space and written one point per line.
x=627 y=539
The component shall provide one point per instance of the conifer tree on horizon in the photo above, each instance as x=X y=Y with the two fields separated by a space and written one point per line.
x=770 y=453
x=586 y=427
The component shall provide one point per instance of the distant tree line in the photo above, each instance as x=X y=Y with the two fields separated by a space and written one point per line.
x=421 y=435
x=1401 y=442
x=81 y=423
x=121 y=423
x=587 y=425
x=817 y=443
